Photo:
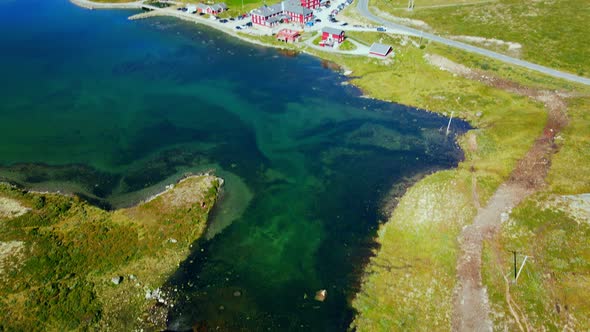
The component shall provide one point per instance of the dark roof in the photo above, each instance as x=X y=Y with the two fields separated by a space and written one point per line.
x=333 y=31
x=268 y=10
x=276 y=19
x=295 y=7
x=380 y=49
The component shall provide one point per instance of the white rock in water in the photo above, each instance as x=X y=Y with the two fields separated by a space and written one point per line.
x=321 y=295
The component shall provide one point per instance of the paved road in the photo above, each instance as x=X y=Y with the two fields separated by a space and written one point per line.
x=363 y=8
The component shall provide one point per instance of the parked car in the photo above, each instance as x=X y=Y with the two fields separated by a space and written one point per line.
x=239 y=27
x=223 y=21
x=317 y=20
x=344 y=24
x=382 y=29
x=232 y=19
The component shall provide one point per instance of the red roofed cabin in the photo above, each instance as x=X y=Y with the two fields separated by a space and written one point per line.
x=211 y=9
x=331 y=35
x=288 y=36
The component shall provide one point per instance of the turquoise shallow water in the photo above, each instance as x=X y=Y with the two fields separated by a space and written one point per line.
x=114 y=109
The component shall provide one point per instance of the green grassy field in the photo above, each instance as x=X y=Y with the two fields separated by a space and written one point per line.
x=552 y=291
x=347 y=46
x=409 y=283
x=552 y=33
x=60 y=279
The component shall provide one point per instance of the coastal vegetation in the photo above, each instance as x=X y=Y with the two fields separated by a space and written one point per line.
x=551 y=291
x=410 y=281
x=415 y=264
x=80 y=267
x=431 y=214
x=551 y=33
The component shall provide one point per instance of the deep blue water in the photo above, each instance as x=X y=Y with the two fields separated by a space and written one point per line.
x=114 y=109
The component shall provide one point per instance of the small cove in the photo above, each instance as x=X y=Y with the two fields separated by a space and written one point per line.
x=113 y=109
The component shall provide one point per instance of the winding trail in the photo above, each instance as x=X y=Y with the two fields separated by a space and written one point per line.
x=471 y=301
x=363 y=8
x=471 y=304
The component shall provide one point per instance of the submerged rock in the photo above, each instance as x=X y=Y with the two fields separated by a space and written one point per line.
x=321 y=295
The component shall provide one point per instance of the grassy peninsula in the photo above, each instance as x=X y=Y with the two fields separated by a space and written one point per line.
x=67 y=265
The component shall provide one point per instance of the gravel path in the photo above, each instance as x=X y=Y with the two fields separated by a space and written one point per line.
x=471 y=300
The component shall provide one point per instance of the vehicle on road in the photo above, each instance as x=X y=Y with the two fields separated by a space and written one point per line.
x=344 y=24
x=382 y=29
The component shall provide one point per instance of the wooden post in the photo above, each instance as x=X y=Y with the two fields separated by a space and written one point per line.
x=514 y=252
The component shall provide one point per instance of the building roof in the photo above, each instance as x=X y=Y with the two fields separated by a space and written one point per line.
x=202 y=6
x=380 y=49
x=296 y=8
x=276 y=19
x=333 y=31
x=268 y=10
x=292 y=6
x=288 y=33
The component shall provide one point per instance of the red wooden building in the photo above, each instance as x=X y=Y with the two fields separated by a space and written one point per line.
x=311 y=4
x=286 y=11
x=288 y=35
x=332 y=34
x=211 y=9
